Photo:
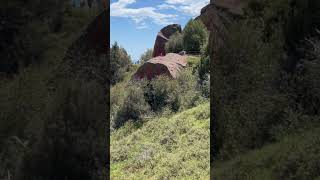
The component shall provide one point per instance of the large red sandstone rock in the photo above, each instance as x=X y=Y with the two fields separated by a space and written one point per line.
x=169 y=65
x=84 y=54
x=217 y=16
x=163 y=37
x=235 y=7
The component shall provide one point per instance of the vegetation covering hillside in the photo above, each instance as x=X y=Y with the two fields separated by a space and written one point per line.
x=160 y=127
x=265 y=83
x=46 y=120
x=294 y=157
x=167 y=147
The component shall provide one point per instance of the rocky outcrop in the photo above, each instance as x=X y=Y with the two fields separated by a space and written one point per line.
x=217 y=16
x=169 y=65
x=84 y=56
x=234 y=7
x=163 y=37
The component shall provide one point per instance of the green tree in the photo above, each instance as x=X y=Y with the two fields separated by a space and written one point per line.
x=175 y=43
x=120 y=62
x=194 y=36
x=146 y=56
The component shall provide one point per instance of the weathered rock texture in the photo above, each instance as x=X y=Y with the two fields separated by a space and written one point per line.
x=85 y=54
x=217 y=16
x=169 y=65
x=163 y=37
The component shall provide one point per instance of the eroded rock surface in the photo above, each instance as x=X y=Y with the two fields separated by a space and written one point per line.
x=217 y=16
x=169 y=65
x=163 y=37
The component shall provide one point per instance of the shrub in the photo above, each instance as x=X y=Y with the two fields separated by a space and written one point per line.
x=134 y=106
x=176 y=94
x=246 y=100
x=194 y=36
x=146 y=56
x=204 y=66
x=161 y=95
x=24 y=30
x=175 y=43
x=71 y=144
x=189 y=90
x=162 y=92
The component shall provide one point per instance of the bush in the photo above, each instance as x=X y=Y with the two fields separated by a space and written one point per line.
x=247 y=103
x=189 y=89
x=24 y=30
x=71 y=144
x=162 y=92
x=176 y=94
x=175 y=43
x=134 y=106
x=45 y=124
x=204 y=65
x=194 y=36
x=146 y=56
x=161 y=95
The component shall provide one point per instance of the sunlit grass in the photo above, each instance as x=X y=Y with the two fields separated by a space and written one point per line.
x=169 y=147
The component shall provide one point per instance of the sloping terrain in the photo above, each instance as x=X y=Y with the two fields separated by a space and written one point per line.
x=175 y=147
x=294 y=157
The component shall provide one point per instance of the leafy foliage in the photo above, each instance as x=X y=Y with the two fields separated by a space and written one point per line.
x=159 y=96
x=120 y=61
x=24 y=29
x=243 y=89
x=194 y=36
x=146 y=56
x=133 y=108
x=74 y=131
x=263 y=76
x=175 y=43
x=49 y=121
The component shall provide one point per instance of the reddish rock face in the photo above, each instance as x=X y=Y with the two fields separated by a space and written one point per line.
x=233 y=6
x=217 y=17
x=162 y=38
x=169 y=65
x=98 y=38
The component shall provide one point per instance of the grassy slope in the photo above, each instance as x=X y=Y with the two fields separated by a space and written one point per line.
x=165 y=148
x=295 y=157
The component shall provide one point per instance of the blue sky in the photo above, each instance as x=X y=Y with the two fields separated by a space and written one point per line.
x=135 y=23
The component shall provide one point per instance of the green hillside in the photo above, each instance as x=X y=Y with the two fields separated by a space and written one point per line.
x=294 y=157
x=160 y=128
x=173 y=147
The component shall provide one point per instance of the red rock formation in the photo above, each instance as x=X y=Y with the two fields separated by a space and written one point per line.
x=233 y=6
x=217 y=16
x=162 y=38
x=92 y=42
x=169 y=65
x=95 y=37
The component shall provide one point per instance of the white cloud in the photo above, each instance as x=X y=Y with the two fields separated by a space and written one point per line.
x=167 y=6
x=191 y=7
x=139 y=15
